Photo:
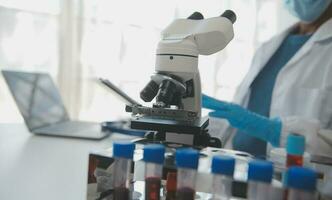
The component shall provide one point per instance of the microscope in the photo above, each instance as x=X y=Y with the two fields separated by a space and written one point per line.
x=175 y=116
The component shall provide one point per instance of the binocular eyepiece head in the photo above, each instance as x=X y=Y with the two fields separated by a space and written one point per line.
x=229 y=14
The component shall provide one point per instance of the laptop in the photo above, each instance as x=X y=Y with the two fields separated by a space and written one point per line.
x=42 y=108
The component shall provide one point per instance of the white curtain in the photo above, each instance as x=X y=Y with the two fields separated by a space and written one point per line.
x=77 y=41
x=70 y=33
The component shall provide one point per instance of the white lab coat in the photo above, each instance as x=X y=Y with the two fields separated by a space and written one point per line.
x=302 y=95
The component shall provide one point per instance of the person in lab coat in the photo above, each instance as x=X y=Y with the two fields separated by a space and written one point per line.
x=288 y=88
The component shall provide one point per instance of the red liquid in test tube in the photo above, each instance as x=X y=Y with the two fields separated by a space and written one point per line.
x=294 y=160
x=185 y=194
x=152 y=188
x=171 y=186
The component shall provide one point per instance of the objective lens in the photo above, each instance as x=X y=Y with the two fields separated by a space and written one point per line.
x=149 y=91
x=166 y=92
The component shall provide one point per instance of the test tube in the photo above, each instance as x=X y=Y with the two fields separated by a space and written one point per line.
x=187 y=162
x=123 y=154
x=259 y=179
x=301 y=183
x=153 y=157
x=223 y=170
x=171 y=186
x=295 y=149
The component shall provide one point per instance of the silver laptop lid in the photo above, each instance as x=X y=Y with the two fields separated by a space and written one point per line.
x=37 y=98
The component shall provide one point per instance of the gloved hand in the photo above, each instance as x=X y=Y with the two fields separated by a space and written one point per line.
x=256 y=125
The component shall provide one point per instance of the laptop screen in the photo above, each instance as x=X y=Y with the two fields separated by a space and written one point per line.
x=37 y=98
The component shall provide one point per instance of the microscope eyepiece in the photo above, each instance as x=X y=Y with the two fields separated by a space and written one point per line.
x=150 y=91
x=229 y=14
x=196 y=16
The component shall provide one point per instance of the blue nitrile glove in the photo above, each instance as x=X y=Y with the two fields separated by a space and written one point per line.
x=256 y=125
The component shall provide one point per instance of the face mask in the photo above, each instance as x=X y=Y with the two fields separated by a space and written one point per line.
x=307 y=10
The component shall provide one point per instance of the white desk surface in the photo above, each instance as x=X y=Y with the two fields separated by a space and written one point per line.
x=43 y=167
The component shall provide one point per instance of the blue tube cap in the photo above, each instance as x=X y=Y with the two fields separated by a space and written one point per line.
x=187 y=158
x=260 y=170
x=154 y=153
x=295 y=144
x=223 y=165
x=123 y=149
x=301 y=178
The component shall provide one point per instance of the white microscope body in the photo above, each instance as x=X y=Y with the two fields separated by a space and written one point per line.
x=181 y=44
x=176 y=85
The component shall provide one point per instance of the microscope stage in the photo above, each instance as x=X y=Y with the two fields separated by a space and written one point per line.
x=169 y=125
